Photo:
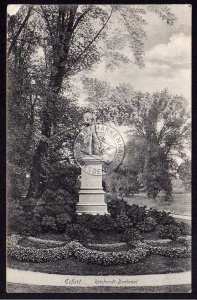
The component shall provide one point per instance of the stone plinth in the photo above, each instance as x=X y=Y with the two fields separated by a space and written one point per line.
x=91 y=194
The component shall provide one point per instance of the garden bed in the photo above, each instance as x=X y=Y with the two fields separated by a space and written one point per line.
x=127 y=242
x=153 y=264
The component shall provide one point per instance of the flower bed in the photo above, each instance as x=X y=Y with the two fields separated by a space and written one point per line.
x=170 y=251
x=30 y=254
x=110 y=258
x=76 y=249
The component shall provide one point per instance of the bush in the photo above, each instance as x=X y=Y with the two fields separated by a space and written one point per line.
x=21 y=217
x=97 y=222
x=126 y=215
x=48 y=224
x=78 y=233
x=170 y=232
x=115 y=206
x=63 y=220
x=136 y=213
x=185 y=228
x=148 y=225
x=123 y=221
x=131 y=236
x=161 y=217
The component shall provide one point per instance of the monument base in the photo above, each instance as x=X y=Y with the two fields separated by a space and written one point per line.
x=91 y=194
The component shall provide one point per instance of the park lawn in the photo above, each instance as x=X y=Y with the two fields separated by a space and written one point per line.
x=181 y=204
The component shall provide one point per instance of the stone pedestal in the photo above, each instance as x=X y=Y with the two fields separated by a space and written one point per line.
x=91 y=194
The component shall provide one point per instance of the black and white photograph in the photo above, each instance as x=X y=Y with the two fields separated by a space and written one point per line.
x=99 y=148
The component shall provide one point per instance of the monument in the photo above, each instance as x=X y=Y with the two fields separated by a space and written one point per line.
x=91 y=194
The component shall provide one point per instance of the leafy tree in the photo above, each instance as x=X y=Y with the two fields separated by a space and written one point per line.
x=184 y=172
x=121 y=182
x=160 y=122
x=23 y=112
x=26 y=91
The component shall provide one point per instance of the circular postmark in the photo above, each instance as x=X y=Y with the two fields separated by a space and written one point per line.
x=98 y=149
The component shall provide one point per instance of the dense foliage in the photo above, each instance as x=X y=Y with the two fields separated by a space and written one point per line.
x=148 y=224
x=170 y=231
x=161 y=217
x=79 y=233
x=97 y=222
x=184 y=172
x=131 y=236
x=159 y=127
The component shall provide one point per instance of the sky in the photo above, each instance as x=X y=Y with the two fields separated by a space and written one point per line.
x=167 y=57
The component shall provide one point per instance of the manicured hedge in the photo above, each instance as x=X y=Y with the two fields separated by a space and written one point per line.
x=90 y=256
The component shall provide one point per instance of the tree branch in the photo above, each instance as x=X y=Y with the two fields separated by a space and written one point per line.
x=92 y=41
x=19 y=31
x=80 y=18
x=47 y=20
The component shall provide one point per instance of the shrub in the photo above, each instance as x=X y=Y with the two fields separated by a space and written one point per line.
x=161 y=217
x=129 y=214
x=28 y=227
x=21 y=218
x=170 y=231
x=136 y=213
x=185 y=228
x=48 y=224
x=53 y=210
x=115 y=206
x=123 y=221
x=78 y=233
x=62 y=221
x=131 y=236
x=148 y=225
x=98 y=222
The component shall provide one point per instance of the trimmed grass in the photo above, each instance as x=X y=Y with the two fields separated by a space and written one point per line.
x=153 y=264
x=181 y=203
x=25 y=288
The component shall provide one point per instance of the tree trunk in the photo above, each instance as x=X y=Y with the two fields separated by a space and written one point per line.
x=38 y=173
